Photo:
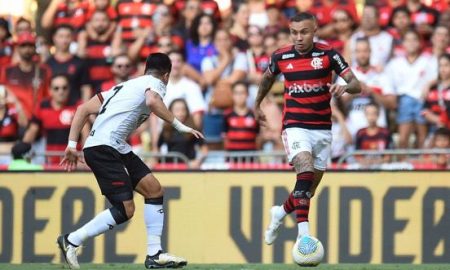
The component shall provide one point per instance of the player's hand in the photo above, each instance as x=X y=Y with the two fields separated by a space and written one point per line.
x=260 y=117
x=197 y=134
x=70 y=159
x=337 y=90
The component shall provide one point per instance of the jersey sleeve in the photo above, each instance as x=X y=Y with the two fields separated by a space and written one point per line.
x=273 y=65
x=338 y=63
x=157 y=87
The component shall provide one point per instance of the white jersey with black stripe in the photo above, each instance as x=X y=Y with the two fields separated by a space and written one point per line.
x=123 y=110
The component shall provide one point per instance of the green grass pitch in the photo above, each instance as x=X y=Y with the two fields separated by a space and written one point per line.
x=31 y=266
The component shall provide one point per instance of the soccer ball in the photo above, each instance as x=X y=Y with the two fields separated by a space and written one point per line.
x=307 y=251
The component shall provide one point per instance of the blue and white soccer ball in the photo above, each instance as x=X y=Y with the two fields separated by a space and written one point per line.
x=307 y=251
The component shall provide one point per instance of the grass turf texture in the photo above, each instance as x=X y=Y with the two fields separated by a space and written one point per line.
x=31 y=266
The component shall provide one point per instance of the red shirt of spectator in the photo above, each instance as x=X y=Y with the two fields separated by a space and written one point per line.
x=438 y=103
x=241 y=131
x=110 y=11
x=380 y=140
x=134 y=14
x=73 y=13
x=323 y=9
x=8 y=124
x=209 y=7
x=29 y=86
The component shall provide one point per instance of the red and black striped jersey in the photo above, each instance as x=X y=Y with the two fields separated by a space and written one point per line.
x=75 y=16
x=381 y=140
x=241 y=131
x=54 y=125
x=306 y=93
x=438 y=102
x=134 y=14
x=6 y=51
x=9 y=126
x=99 y=59
x=110 y=11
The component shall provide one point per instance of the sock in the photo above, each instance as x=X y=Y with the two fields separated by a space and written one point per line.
x=154 y=219
x=302 y=198
x=98 y=225
x=303 y=228
x=288 y=205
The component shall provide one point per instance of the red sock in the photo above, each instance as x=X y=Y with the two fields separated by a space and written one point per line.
x=302 y=198
x=288 y=205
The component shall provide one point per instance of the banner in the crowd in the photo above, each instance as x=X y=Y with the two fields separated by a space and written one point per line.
x=220 y=217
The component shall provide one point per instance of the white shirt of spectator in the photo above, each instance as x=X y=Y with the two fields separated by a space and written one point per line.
x=124 y=110
x=380 y=45
x=211 y=62
x=410 y=78
x=188 y=90
x=356 y=118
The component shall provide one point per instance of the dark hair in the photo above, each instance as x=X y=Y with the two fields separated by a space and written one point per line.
x=303 y=16
x=193 y=31
x=158 y=63
x=62 y=75
x=63 y=26
x=21 y=20
x=373 y=104
x=377 y=12
x=398 y=10
x=168 y=131
x=179 y=52
x=4 y=24
x=363 y=39
x=442 y=131
x=244 y=83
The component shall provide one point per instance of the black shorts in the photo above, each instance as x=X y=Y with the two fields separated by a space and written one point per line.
x=116 y=173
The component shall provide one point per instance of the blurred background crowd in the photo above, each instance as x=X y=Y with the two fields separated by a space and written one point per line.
x=66 y=51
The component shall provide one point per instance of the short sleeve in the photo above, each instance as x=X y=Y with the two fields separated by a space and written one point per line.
x=240 y=63
x=338 y=63
x=194 y=98
x=158 y=87
x=273 y=65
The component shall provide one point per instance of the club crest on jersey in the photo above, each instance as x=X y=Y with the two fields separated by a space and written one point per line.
x=287 y=56
x=317 y=63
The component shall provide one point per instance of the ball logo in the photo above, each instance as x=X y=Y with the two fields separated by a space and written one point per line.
x=65 y=117
x=317 y=63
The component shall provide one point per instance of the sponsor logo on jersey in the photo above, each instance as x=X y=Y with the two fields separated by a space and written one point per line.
x=314 y=54
x=290 y=66
x=339 y=61
x=317 y=63
x=305 y=88
x=287 y=56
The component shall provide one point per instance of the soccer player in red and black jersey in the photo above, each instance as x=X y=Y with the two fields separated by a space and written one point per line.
x=241 y=128
x=307 y=68
x=53 y=118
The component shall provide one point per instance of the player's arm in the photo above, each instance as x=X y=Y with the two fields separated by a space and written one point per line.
x=264 y=87
x=31 y=133
x=157 y=106
x=92 y=106
x=353 y=86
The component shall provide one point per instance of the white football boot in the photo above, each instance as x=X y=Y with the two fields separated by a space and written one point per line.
x=69 y=251
x=271 y=232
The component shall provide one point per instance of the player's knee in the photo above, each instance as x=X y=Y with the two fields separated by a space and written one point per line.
x=303 y=162
x=122 y=207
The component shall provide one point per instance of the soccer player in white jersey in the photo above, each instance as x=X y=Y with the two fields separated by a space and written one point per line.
x=117 y=169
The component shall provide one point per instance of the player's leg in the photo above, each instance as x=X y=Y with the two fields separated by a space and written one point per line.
x=118 y=192
x=148 y=186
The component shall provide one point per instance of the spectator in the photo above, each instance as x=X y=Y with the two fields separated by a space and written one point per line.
x=241 y=128
x=437 y=97
x=64 y=62
x=165 y=44
x=20 y=161
x=409 y=75
x=190 y=10
x=375 y=87
x=259 y=13
x=441 y=140
x=12 y=117
x=424 y=18
x=258 y=61
x=373 y=137
x=22 y=25
x=221 y=71
x=97 y=50
x=183 y=143
x=276 y=20
x=342 y=139
x=136 y=27
x=324 y=9
x=270 y=44
x=440 y=41
x=6 y=46
x=181 y=87
x=386 y=8
x=340 y=30
x=103 y=6
x=200 y=44
x=380 y=41
x=238 y=29
x=27 y=80
x=53 y=118
x=283 y=38
x=400 y=23
x=209 y=7
x=121 y=69
x=71 y=12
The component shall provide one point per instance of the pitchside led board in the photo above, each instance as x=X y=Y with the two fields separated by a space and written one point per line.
x=220 y=217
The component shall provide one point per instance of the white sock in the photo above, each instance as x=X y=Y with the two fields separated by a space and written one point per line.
x=303 y=228
x=280 y=213
x=98 y=225
x=154 y=220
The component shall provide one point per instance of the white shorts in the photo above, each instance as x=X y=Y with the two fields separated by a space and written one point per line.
x=317 y=142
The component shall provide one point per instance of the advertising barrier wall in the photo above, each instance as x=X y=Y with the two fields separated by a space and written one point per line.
x=220 y=217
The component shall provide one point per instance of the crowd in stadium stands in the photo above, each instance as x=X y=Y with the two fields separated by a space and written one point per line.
x=398 y=49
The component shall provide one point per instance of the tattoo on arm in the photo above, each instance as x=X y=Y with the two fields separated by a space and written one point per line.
x=353 y=85
x=264 y=87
